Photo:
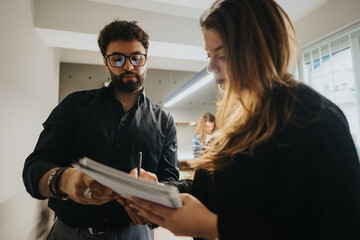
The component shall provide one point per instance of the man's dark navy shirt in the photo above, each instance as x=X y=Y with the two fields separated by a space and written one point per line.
x=93 y=124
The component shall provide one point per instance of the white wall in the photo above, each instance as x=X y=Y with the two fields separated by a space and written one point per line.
x=329 y=18
x=28 y=91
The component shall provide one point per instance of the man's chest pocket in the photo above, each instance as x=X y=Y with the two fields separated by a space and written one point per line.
x=150 y=144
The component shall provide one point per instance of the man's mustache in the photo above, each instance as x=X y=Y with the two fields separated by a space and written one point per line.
x=128 y=73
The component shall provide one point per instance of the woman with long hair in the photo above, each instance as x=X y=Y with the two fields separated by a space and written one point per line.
x=282 y=164
x=202 y=134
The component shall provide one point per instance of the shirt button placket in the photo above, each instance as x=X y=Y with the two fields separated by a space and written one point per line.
x=121 y=125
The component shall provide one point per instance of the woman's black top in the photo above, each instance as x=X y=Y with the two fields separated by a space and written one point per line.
x=308 y=187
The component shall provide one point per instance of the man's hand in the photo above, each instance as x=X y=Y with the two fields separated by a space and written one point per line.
x=144 y=175
x=74 y=183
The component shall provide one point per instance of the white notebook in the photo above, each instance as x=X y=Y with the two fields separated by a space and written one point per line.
x=127 y=185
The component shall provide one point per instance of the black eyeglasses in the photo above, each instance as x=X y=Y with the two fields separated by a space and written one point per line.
x=118 y=60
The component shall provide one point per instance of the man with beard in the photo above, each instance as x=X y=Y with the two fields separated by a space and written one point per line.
x=110 y=125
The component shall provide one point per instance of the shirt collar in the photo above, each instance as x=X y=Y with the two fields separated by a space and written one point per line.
x=140 y=100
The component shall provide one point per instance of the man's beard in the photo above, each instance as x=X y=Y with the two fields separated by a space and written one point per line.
x=128 y=86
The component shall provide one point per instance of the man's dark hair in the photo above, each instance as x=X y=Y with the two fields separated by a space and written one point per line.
x=122 y=30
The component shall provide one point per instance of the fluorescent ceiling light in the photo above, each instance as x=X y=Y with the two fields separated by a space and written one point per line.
x=199 y=80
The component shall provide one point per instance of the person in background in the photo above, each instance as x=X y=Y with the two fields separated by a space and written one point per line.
x=282 y=164
x=110 y=125
x=204 y=129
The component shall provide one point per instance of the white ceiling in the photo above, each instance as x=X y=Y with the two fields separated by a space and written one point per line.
x=194 y=8
x=175 y=37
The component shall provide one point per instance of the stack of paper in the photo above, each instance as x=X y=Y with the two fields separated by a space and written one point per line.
x=127 y=185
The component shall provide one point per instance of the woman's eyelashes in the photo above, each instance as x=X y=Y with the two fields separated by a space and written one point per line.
x=216 y=57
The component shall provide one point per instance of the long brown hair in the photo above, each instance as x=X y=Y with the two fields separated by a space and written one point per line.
x=258 y=39
x=200 y=129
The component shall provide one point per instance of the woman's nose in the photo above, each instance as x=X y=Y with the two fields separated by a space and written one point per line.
x=212 y=66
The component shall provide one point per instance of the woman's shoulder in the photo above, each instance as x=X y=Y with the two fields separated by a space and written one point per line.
x=315 y=107
x=313 y=115
x=310 y=115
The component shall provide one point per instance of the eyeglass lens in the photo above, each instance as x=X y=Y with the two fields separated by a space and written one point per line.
x=118 y=60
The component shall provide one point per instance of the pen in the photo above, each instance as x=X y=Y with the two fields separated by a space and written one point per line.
x=139 y=158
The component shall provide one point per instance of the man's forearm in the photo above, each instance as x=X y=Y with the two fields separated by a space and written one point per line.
x=43 y=187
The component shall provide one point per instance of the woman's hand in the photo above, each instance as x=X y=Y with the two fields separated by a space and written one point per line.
x=192 y=219
x=132 y=212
